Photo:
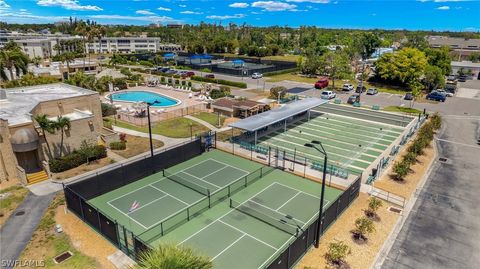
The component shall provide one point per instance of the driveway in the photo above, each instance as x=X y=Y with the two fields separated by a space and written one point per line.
x=443 y=229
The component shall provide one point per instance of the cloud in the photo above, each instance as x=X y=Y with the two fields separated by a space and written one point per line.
x=310 y=1
x=164 y=9
x=161 y=19
x=274 y=6
x=144 y=12
x=239 y=5
x=68 y=4
x=443 y=8
x=26 y=15
x=182 y=5
x=443 y=1
x=191 y=12
x=226 y=17
x=4 y=5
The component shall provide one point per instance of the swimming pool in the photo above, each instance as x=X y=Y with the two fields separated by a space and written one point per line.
x=157 y=100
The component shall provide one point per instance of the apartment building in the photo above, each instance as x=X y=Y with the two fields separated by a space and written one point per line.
x=130 y=45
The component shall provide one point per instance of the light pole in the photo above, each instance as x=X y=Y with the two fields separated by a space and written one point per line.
x=191 y=131
x=150 y=125
x=320 y=211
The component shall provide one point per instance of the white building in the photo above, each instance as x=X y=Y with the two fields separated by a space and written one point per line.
x=466 y=65
x=130 y=45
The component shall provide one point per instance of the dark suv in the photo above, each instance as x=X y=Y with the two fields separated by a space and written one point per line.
x=437 y=96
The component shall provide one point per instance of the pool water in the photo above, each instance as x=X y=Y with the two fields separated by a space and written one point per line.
x=156 y=99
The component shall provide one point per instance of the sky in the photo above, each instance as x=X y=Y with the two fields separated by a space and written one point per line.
x=452 y=15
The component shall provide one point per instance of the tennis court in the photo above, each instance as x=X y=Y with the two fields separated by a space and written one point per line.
x=161 y=199
x=256 y=225
x=351 y=143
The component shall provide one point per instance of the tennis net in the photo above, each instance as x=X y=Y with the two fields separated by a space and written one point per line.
x=186 y=182
x=259 y=212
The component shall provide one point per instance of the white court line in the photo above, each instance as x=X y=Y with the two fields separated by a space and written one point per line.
x=126 y=215
x=221 y=217
x=199 y=179
x=274 y=210
x=146 y=204
x=172 y=196
x=232 y=166
x=247 y=234
x=229 y=246
x=296 y=190
x=288 y=200
x=118 y=197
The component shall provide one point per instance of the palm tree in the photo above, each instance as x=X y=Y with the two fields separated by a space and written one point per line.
x=62 y=124
x=82 y=30
x=11 y=59
x=47 y=126
x=173 y=257
x=67 y=57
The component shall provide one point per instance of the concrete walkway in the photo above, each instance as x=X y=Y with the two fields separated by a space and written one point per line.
x=18 y=230
x=211 y=127
x=167 y=141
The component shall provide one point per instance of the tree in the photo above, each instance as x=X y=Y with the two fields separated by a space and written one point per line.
x=373 y=205
x=417 y=41
x=11 y=59
x=440 y=58
x=406 y=66
x=173 y=257
x=45 y=125
x=474 y=57
x=62 y=124
x=337 y=252
x=278 y=92
x=311 y=65
x=433 y=77
x=366 y=44
x=67 y=57
x=400 y=170
x=363 y=227
x=336 y=65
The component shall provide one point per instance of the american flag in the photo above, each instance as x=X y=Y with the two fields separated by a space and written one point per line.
x=134 y=206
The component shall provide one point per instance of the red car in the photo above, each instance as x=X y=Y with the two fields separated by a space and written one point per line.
x=210 y=76
x=321 y=83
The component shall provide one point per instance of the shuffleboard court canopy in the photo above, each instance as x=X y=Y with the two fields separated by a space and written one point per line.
x=264 y=119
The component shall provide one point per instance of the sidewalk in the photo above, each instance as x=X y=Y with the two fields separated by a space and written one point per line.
x=211 y=127
x=167 y=141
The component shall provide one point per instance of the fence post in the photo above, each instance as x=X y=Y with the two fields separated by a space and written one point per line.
x=126 y=240
x=305 y=168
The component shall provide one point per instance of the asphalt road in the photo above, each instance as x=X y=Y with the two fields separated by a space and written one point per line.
x=443 y=229
x=18 y=230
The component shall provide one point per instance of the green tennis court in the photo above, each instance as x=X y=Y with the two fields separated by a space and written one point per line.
x=163 y=200
x=252 y=228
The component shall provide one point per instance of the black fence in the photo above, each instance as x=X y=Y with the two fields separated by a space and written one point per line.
x=78 y=193
x=291 y=255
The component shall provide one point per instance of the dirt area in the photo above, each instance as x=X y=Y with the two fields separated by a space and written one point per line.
x=84 y=238
x=46 y=243
x=407 y=187
x=82 y=168
x=362 y=255
x=137 y=145
x=14 y=195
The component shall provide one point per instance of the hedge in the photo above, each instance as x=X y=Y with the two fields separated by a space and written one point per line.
x=77 y=158
x=281 y=72
x=120 y=145
x=242 y=85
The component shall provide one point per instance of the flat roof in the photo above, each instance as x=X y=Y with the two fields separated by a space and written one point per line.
x=264 y=119
x=22 y=100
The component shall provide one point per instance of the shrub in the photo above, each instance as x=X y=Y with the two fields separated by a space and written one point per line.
x=184 y=83
x=177 y=82
x=275 y=91
x=363 y=227
x=123 y=137
x=189 y=84
x=242 y=85
x=120 y=145
x=410 y=158
x=78 y=157
x=173 y=256
x=205 y=70
x=337 y=251
x=146 y=63
x=373 y=205
x=107 y=124
x=400 y=170
x=436 y=121
x=219 y=93
x=162 y=79
x=108 y=110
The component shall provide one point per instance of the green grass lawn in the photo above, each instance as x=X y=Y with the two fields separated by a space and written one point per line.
x=211 y=118
x=292 y=77
x=402 y=109
x=288 y=58
x=175 y=128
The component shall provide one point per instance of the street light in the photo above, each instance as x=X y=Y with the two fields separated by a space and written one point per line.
x=150 y=125
x=320 y=211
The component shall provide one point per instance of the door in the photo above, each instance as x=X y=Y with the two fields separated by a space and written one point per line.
x=28 y=161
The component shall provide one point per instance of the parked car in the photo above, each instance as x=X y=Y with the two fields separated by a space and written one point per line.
x=171 y=71
x=257 y=75
x=452 y=79
x=462 y=78
x=360 y=89
x=210 y=76
x=328 y=95
x=450 y=89
x=408 y=96
x=321 y=83
x=437 y=96
x=448 y=94
x=353 y=98
x=163 y=69
x=347 y=87
x=372 y=91
x=190 y=74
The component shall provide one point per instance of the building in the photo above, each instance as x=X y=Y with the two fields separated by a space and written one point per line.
x=23 y=149
x=130 y=45
x=62 y=69
x=468 y=67
x=461 y=46
x=238 y=108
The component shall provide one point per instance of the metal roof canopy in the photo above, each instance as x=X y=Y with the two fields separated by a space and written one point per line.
x=264 y=119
